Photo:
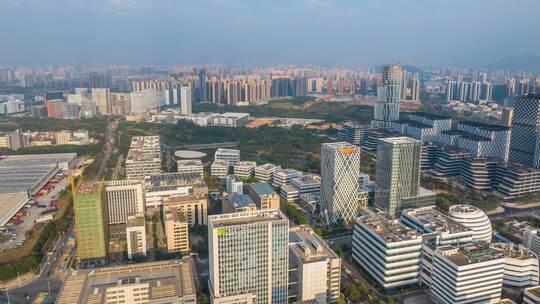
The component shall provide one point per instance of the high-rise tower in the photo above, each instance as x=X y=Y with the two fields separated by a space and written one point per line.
x=525 y=138
x=398 y=172
x=340 y=172
x=248 y=257
x=388 y=96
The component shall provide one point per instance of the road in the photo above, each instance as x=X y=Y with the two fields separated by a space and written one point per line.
x=48 y=280
x=118 y=167
x=110 y=137
x=227 y=144
x=509 y=212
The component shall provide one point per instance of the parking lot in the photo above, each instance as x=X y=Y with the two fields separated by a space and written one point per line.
x=17 y=233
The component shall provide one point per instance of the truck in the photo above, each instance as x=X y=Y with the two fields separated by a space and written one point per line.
x=44 y=218
x=49 y=211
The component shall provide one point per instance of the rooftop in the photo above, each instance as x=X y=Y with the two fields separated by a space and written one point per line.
x=144 y=148
x=11 y=203
x=267 y=167
x=308 y=246
x=189 y=162
x=167 y=280
x=220 y=162
x=414 y=123
x=176 y=179
x=484 y=126
x=262 y=188
x=245 y=218
x=472 y=254
x=306 y=180
x=188 y=154
x=430 y=115
x=399 y=140
x=534 y=290
x=25 y=172
x=227 y=151
x=241 y=200
x=136 y=220
x=388 y=228
x=434 y=220
x=246 y=164
x=234 y=114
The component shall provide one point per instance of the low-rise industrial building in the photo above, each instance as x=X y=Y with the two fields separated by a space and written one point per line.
x=265 y=172
x=219 y=168
x=144 y=157
x=176 y=230
x=263 y=195
x=284 y=176
x=194 y=207
x=190 y=166
x=230 y=155
x=136 y=235
x=169 y=281
x=317 y=267
x=244 y=169
x=159 y=187
x=237 y=203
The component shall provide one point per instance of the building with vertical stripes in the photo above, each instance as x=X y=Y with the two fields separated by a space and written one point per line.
x=397 y=173
x=123 y=198
x=249 y=256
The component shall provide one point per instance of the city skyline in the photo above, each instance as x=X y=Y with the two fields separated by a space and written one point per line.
x=308 y=32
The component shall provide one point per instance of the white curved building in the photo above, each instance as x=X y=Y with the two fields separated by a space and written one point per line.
x=520 y=265
x=474 y=219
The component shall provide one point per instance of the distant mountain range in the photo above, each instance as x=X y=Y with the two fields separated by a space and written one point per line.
x=524 y=63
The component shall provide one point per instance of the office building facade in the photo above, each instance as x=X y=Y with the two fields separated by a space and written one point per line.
x=525 y=143
x=340 y=171
x=397 y=173
x=318 y=267
x=124 y=198
x=136 y=235
x=248 y=254
x=389 y=251
x=388 y=97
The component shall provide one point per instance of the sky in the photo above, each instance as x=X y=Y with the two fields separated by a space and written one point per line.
x=428 y=33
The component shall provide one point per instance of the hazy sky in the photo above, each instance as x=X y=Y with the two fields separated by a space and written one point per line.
x=320 y=32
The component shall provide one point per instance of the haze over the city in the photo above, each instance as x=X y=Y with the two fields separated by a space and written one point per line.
x=427 y=33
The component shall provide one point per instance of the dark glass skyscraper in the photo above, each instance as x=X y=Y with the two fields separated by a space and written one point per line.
x=525 y=139
x=202 y=85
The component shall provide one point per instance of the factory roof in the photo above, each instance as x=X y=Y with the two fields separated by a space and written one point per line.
x=166 y=280
x=11 y=203
x=26 y=172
